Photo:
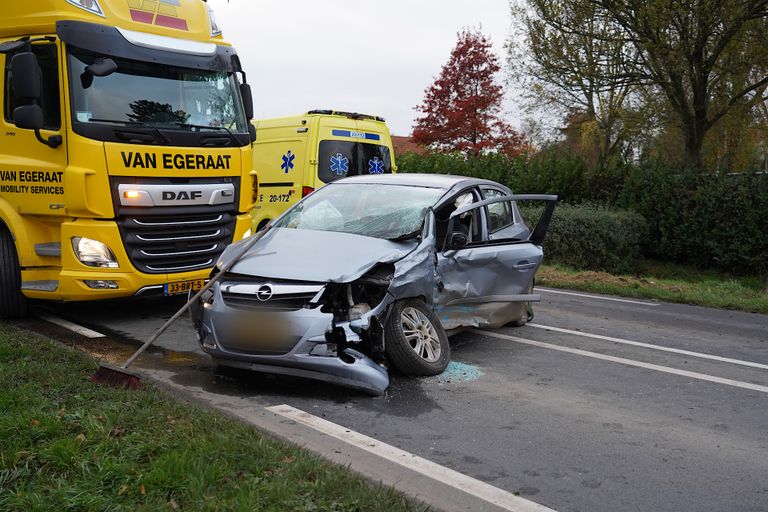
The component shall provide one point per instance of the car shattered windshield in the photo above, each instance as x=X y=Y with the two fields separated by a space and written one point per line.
x=379 y=211
x=144 y=94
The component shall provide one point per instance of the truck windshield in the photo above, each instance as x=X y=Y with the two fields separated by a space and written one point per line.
x=143 y=94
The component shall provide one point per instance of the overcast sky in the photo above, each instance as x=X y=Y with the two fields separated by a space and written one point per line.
x=361 y=56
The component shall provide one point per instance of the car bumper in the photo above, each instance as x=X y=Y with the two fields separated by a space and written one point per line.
x=286 y=343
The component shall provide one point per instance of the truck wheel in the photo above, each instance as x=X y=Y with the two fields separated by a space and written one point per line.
x=12 y=302
x=415 y=341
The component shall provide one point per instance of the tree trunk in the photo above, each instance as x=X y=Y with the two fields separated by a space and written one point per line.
x=694 y=141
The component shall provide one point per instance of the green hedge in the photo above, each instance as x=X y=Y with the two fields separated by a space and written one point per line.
x=707 y=220
x=592 y=237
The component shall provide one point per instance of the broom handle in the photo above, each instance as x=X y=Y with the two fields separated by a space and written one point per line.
x=224 y=269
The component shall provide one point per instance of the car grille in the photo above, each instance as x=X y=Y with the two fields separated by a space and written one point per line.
x=283 y=295
x=179 y=243
x=287 y=302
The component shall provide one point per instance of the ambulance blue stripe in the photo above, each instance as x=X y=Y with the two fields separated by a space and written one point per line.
x=357 y=135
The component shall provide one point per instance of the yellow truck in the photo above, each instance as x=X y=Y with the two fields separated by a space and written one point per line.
x=125 y=150
x=293 y=156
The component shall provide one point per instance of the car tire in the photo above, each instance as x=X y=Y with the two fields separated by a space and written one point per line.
x=415 y=341
x=12 y=303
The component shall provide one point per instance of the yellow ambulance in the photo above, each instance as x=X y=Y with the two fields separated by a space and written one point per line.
x=125 y=149
x=293 y=156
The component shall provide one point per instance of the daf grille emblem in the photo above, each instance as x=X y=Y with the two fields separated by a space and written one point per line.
x=264 y=293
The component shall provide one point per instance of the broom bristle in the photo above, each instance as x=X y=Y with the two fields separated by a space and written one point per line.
x=116 y=377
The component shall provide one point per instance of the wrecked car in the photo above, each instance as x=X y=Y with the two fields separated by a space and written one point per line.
x=371 y=271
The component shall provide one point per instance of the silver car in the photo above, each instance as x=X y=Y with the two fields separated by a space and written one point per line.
x=371 y=271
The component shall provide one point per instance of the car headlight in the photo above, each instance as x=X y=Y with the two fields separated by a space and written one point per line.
x=93 y=253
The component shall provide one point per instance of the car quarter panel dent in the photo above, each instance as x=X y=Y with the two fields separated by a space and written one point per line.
x=415 y=274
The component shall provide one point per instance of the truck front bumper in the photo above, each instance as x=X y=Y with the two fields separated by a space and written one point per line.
x=71 y=280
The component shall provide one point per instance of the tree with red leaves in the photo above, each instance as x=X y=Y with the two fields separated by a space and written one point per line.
x=461 y=109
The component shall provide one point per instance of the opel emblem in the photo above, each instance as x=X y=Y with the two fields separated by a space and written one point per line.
x=264 y=293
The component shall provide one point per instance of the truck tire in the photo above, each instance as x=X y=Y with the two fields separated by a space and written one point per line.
x=415 y=341
x=12 y=303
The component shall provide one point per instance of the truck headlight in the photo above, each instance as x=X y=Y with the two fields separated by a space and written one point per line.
x=93 y=253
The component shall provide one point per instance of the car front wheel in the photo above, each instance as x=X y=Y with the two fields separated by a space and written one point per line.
x=416 y=343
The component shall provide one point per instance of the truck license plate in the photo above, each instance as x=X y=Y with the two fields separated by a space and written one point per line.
x=183 y=287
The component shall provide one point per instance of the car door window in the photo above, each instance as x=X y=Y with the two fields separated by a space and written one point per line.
x=469 y=223
x=499 y=214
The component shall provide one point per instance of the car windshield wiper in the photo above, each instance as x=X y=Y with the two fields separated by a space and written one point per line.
x=133 y=124
x=200 y=127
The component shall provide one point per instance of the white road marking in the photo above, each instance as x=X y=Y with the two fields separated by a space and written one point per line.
x=79 y=329
x=651 y=346
x=482 y=490
x=549 y=290
x=628 y=362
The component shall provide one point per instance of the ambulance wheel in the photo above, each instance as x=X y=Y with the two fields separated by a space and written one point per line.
x=12 y=302
x=415 y=341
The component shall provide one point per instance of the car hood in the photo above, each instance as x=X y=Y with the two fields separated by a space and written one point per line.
x=319 y=256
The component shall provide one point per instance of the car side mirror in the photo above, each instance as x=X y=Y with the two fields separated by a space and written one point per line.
x=103 y=66
x=27 y=77
x=28 y=117
x=458 y=241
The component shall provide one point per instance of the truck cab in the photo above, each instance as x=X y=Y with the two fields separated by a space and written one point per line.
x=293 y=156
x=125 y=149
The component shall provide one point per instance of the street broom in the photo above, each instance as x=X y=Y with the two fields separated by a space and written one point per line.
x=121 y=376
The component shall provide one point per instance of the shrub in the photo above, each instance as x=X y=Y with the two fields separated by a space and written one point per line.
x=702 y=219
x=592 y=237
x=707 y=220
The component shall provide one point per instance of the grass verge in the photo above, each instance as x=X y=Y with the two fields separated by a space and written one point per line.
x=68 y=444
x=665 y=282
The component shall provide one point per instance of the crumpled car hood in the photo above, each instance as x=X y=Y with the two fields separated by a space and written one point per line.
x=319 y=256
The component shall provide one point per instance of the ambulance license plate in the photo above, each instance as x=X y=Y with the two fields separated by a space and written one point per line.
x=183 y=287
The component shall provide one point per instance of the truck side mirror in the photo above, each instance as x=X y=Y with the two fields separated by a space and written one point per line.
x=102 y=66
x=27 y=77
x=28 y=117
x=245 y=92
x=252 y=132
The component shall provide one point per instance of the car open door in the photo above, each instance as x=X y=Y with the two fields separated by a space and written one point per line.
x=487 y=283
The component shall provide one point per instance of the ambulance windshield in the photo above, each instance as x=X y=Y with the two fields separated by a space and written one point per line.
x=160 y=97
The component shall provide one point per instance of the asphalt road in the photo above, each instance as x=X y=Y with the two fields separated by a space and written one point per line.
x=674 y=420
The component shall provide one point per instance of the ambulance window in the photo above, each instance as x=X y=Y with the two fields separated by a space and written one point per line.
x=47 y=58
x=339 y=159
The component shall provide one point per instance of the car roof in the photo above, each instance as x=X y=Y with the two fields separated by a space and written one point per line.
x=441 y=181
